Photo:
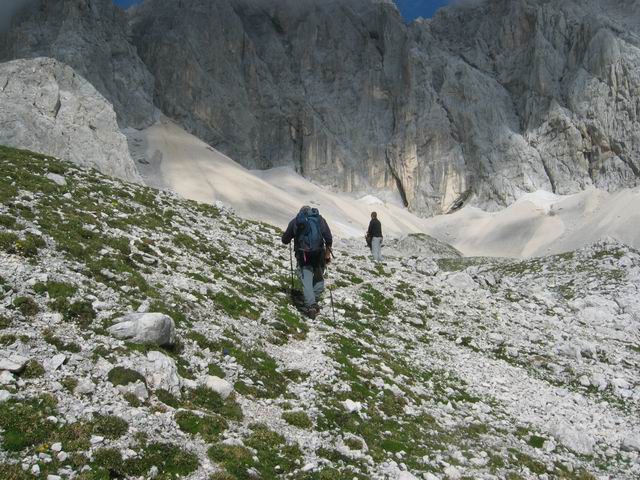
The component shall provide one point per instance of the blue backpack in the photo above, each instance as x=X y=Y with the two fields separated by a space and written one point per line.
x=308 y=231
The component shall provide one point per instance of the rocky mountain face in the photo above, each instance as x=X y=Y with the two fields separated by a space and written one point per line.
x=46 y=106
x=90 y=36
x=279 y=83
x=480 y=104
x=146 y=336
x=491 y=101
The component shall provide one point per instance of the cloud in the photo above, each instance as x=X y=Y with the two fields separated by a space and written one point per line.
x=8 y=8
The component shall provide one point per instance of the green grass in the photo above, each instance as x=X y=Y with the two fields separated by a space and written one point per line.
x=235 y=306
x=27 y=306
x=110 y=426
x=124 y=376
x=55 y=289
x=259 y=366
x=168 y=398
x=33 y=369
x=24 y=422
x=298 y=419
x=275 y=457
x=207 y=399
x=235 y=459
x=377 y=302
x=170 y=460
x=209 y=427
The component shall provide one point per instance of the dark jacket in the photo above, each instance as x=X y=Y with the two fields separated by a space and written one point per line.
x=290 y=234
x=375 y=228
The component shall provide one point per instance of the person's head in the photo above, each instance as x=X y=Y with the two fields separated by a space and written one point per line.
x=374 y=215
x=305 y=209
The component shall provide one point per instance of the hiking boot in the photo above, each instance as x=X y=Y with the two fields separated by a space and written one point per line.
x=311 y=311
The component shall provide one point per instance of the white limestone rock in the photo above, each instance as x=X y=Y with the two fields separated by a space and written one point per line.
x=6 y=378
x=136 y=388
x=631 y=443
x=352 y=407
x=4 y=396
x=55 y=362
x=145 y=328
x=160 y=371
x=452 y=473
x=95 y=44
x=47 y=107
x=461 y=281
x=406 y=476
x=57 y=179
x=578 y=441
x=85 y=387
x=219 y=385
x=12 y=362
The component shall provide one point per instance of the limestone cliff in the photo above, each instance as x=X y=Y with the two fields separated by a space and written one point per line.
x=481 y=103
x=47 y=107
x=478 y=105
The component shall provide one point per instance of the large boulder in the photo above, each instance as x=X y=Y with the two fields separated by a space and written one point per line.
x=160 y=371
x=12 y=362
x=45 y=106
x=219 y=385
x=145 y=328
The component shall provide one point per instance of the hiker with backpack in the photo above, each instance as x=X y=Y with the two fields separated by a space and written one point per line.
x=374 y=237
x=312 y=241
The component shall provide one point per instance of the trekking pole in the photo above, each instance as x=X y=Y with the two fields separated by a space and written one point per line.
x=333 y=310
x=291 y=267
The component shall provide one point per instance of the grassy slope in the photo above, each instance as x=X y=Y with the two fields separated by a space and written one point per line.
x=223 y=280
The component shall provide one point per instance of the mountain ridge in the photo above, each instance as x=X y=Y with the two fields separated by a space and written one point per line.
x=460 y=109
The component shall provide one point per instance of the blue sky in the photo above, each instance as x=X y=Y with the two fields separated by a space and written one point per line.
x=410 y=9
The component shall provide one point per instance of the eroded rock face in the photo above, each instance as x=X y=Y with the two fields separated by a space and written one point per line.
x=91 y=36
x=279 y=83
x=45 y=106
x=479 y=104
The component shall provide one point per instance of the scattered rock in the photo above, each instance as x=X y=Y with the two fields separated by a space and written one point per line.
x=55 y=362
x=452 y=473
x=575 y=440
x=631 y=443
x=57 y=179
x=6 y=378
x=4 y=396
x=85 y=387
x=351 y=406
